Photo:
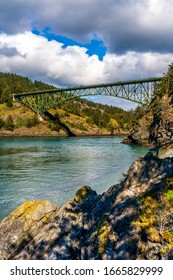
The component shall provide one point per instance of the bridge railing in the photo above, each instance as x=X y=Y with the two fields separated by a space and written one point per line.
x=139 y=91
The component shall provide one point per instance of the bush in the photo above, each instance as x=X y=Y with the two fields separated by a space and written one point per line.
x=9 y=103
x=1 y=123
x=9 y=124
x=169 y=195
x=67 y=115
x=32 y=122
x=54 y=126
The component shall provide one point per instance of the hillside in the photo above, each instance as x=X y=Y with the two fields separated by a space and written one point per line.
x=154 y=123
x=79 y=116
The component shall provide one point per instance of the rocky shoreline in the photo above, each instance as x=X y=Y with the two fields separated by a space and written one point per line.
x=132 y=220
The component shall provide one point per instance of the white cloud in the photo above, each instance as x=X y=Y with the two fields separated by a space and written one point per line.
x=131 y=25
x=38 y=58
x=137 y=33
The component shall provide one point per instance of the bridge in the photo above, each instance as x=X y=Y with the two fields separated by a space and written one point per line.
x=139 y=91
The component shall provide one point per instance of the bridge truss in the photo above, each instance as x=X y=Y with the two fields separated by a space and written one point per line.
x=139 y=91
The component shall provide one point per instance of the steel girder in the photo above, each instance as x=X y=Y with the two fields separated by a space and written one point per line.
x=139 y=91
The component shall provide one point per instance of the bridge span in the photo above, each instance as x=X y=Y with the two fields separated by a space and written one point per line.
x=139 y=91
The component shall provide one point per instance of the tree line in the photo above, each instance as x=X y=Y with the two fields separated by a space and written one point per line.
x=103 y=116
x=13 y=83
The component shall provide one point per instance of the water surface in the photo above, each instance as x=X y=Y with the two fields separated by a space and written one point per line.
x=54 y=168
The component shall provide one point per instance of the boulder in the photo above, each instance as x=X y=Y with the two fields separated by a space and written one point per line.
x=22 y=225
x=131 y=220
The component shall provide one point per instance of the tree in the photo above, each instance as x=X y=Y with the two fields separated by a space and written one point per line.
x=1 y=123
x=9 y=124
x=32 y=122
x=170 y=79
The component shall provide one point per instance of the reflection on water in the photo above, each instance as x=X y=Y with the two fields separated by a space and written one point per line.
x=54 y=168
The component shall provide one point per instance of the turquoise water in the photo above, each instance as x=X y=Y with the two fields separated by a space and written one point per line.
x=54 y=168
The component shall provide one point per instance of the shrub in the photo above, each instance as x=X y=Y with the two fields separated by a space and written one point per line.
x=1 y=123
x=9 y=124
x=9 y=103
x=54 y=126
x=169 y=195
x=32 y=122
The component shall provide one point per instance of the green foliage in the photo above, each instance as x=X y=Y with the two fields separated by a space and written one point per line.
x=170 y=79
x=12 y=83
x=165 y=86
x=27 y=122
x=21 y=122
x=169 y=195
x=66 y=114
x=54 y=126
x=9 y=124
x=32 y=122
x=9 y=103
x=97 y=114
x=79 y=126
x=1 y=123
x=156 y=134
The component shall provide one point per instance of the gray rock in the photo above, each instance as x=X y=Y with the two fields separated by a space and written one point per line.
x=132 y=220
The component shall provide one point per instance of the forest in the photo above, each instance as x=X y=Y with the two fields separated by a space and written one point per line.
x=99 y=115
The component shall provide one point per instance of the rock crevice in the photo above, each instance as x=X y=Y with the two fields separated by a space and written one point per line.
x=132 y=220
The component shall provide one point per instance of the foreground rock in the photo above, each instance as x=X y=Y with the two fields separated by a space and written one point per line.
x=167 y=153
x=132 y=220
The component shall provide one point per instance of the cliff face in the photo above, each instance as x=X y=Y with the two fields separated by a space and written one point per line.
x=132 y=220
x=155 y=127
x=155 y=122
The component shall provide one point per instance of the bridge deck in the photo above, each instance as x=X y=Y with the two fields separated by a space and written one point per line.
x=139 y=91
x=119 y=83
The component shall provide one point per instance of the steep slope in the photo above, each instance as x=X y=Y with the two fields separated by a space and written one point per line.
x=154 y=127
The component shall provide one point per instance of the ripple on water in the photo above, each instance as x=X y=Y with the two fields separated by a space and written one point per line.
x=54 y=168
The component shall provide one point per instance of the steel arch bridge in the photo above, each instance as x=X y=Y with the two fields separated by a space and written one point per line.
x=139 y=91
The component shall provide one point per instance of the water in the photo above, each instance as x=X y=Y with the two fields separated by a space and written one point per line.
x=54 y=168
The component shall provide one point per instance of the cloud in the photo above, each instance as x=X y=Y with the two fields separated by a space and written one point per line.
x=39 y=58
x=6 y=51
x=34 y=56
x=131 y=25
x=137 y=36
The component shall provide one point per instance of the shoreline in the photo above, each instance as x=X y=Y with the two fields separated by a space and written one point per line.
x=59 y=136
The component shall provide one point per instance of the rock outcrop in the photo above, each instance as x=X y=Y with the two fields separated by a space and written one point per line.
x=155 y=127
x=154 y=122
x=132 y=220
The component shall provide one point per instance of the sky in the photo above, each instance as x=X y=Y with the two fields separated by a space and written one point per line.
x=84 y=42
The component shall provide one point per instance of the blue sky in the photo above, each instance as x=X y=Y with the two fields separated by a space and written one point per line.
x=94 y=46
x=83 y=42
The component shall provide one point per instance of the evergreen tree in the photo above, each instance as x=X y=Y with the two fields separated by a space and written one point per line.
x=9 y=124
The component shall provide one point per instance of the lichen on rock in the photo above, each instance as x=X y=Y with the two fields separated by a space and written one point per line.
x=131 y=220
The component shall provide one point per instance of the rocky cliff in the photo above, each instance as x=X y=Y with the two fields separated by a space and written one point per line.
x=132 y=220
x=154 y=126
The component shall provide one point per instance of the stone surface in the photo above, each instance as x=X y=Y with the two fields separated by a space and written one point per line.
x=132 y=220
x=167 y=153
x=152 y=128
